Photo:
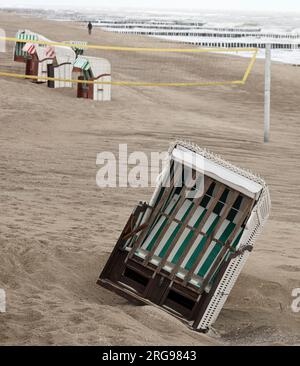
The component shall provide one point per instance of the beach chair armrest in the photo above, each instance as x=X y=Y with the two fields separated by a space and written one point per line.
x=45 y=59
x=247 y=248
x=64 y=63
x=100 y=76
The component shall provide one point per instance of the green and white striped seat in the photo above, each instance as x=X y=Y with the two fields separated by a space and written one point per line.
x=211 y=253
x=214 y=249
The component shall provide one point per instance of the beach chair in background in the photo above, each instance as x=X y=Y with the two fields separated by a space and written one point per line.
x=39 y=57
x=36 y=57
x=50 y=61
x=79 y=51
x=25 y=35
x=93 y=69
x=185 y=249
x=61 y=67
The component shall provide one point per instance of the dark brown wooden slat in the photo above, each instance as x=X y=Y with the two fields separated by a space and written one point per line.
x=196 y=202
x=225 y=247
x=135 y=231
x=226 y=208
x=140 y=209
x=198 y=230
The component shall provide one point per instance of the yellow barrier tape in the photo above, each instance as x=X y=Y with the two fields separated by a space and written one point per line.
x=250 y=67
x=120 y=83
x=135 y=49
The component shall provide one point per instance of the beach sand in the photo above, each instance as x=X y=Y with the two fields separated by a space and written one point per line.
x=57 y=228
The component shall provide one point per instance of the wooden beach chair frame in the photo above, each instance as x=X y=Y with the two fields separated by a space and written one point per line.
x=61 y=68
x=185 y=254
x=23 y=34
x=93 y=69
x=37 y=64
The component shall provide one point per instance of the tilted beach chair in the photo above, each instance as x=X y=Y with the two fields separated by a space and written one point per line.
x=93 y=69
x=185 y=249
x=61 y=68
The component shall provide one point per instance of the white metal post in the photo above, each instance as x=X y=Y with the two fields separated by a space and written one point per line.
x=267 y=93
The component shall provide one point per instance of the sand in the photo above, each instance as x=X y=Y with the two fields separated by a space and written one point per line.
x=57 y=228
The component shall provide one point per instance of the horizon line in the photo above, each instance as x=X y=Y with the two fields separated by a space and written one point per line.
x=134 y=8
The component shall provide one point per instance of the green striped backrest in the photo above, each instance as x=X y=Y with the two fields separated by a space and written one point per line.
x=226 y=229
x=160 y=223
x=208 y=228
x=183 y=243
x=222 y=235
x=85 y=66
x=82 y=63
x=174 y=227
x=19 y=45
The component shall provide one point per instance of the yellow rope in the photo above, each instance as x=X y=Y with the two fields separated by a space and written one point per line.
x=137 y=49
x=250 y=67
x=120 y=83
x=134 y=49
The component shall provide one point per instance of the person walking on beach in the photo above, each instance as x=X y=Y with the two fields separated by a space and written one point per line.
x=90 y=27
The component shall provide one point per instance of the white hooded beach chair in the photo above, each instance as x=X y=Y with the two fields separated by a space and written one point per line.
x=46 y=57
x=185 y=249
x=44 y=60
x=62 y=67
x=39 y=57
x=93 y=69
x=55 y=62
